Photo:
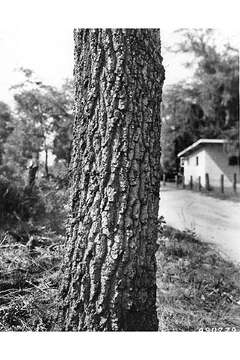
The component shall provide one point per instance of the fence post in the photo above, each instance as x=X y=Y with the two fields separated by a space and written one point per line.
x=164 y=179
x=199 y=183
x=235 y=182
x=222 y=183
x=207 y=181
x=191 y=182
x=176 y=180
x=183 y=182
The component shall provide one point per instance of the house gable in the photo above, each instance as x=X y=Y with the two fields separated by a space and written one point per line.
x=194 y=165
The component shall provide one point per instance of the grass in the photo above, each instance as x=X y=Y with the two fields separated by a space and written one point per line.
x=28 y=283
x=197 y=289
x=216 y=193
x=227 y=195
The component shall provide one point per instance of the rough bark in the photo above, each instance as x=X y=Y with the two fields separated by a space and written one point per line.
x=109 y=268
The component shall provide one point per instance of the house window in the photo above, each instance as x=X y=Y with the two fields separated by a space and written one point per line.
x=182 y=161
x=233 y=160
x=197 y=162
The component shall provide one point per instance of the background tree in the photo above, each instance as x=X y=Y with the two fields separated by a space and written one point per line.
x=6 y=126
x=217 y=76
x=206 y=107
x=109 y=272
x=183 y=123
x=62 y=124
x=41 y=125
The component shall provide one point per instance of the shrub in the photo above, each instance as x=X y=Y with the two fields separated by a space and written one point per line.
x=18 y=203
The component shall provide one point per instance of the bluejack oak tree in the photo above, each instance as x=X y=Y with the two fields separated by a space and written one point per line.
x=109 y=269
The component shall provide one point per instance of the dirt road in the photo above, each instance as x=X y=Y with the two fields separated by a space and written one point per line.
x=213 y=220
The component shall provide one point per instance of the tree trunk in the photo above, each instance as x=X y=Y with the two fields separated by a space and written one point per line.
x=109 y=271
x=46 y=162
x=32 y=171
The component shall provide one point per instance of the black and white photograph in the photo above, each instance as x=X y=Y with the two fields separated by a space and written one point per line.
x=119 y=175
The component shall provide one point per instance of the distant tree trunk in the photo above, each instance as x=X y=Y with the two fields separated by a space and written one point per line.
x=32 y=171
x=109 y=271
x=46 y=162
x=1 y=156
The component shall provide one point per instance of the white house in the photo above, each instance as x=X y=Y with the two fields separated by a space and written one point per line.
x=209 y=156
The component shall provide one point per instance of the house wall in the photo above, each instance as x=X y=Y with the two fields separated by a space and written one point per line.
x=217 y=163
x=191 y=169
x=212 y=159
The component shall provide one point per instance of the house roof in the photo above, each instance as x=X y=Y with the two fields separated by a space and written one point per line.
x=200 y=142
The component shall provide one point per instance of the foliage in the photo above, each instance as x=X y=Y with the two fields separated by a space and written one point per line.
x=17 y=203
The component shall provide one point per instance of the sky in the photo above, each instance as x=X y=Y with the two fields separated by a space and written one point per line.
x=41 y=38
